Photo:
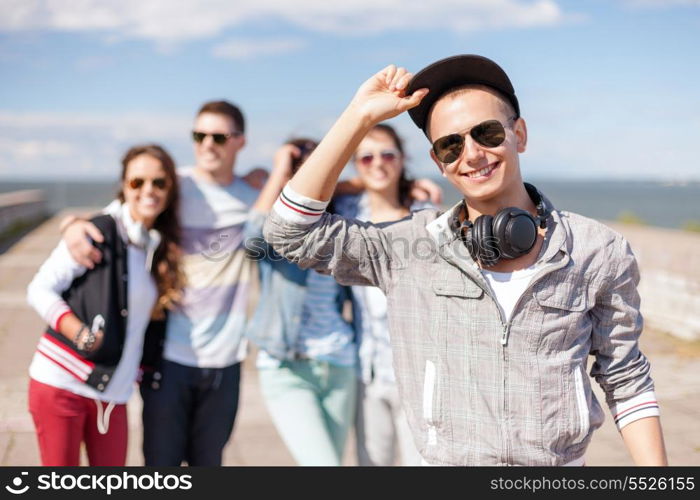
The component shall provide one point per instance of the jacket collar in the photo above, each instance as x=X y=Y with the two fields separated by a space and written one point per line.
x=135 y=233
x=443 y=231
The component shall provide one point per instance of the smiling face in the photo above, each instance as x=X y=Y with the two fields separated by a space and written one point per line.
x=379 y=162
x=482 y=174
x=140 y=186
x=216 y=160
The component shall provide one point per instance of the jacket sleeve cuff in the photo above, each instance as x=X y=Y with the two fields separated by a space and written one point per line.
x=293 y=207
x=56 y=313
x=641 y=406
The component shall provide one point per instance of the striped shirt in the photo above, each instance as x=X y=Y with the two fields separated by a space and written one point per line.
x=207 y=330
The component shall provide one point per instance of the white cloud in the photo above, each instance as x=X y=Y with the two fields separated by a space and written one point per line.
x=30 y=150
x=90 y=145
x=70 y=145
x=165 y=21
x=249 y=48
x=126 y=126
x=662 y=3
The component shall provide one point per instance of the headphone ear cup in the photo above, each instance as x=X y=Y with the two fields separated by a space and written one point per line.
x=516 y=230
x=486 y=245
x=500 y=227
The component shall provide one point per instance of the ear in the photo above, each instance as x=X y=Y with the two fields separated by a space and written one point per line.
x=437 y=162
x=520 y=128
x=242 y=142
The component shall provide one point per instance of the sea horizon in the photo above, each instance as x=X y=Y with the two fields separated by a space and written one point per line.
x=661 y=203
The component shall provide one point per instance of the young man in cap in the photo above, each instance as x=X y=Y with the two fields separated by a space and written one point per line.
x=495 y=305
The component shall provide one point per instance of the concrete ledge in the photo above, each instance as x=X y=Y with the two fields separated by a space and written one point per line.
x=20 y=209
x=669 y=264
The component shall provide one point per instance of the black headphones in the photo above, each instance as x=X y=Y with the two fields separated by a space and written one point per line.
x=509 y=234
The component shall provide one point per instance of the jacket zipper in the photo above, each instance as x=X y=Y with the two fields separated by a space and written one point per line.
x=504 y=340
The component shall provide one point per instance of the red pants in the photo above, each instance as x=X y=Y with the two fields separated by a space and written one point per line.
x=63 y=420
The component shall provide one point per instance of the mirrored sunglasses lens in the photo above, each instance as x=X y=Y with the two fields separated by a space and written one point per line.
x=448 y=148
x=489 y=134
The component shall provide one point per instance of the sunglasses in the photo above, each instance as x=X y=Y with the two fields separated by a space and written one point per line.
x=199 y=137
x=387 y=155
x=489 y=134
x=160 y=183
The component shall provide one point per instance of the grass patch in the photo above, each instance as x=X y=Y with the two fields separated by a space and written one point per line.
x=629 y=217
x=692 y=226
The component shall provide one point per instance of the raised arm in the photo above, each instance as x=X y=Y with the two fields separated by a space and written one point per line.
x=381 y=97
x=354 y=253
x=280 y=175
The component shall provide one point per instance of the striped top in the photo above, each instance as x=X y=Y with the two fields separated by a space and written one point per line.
x=324 y=334
x=207 y=330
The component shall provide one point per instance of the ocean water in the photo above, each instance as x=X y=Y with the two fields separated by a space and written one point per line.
x=654 y=203
x=61 y=194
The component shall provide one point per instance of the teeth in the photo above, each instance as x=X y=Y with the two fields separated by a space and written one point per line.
x=479 y=173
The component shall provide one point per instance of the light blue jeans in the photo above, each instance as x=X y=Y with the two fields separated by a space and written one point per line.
x=312 y=404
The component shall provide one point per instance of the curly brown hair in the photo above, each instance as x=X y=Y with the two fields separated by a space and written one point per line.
x=166 y=268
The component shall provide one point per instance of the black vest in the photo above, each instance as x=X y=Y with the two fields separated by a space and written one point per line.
x=99 y=299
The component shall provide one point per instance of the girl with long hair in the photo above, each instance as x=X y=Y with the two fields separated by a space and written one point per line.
x=85 y=365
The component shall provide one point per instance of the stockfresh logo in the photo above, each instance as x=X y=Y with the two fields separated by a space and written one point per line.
x=17 y=487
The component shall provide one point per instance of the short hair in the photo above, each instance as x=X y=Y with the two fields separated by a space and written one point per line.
x=504 y=103
x=227 y=109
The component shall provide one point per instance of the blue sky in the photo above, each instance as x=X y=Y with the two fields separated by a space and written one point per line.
x=608 y=88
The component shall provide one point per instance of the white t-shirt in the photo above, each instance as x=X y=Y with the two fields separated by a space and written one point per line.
x=508 y=287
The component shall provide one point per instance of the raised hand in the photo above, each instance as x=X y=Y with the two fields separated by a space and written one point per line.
x=284 y=160
x=383 y=96
x=256 y=178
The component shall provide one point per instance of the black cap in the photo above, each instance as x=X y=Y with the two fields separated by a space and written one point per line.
x=456 y=71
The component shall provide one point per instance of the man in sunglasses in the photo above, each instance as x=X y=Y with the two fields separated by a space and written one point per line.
x=494 y=305
x=190 y=403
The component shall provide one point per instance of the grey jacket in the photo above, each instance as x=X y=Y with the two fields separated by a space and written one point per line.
x=479 y=390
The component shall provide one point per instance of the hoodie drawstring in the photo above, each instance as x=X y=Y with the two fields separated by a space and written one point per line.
x=103 y=419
